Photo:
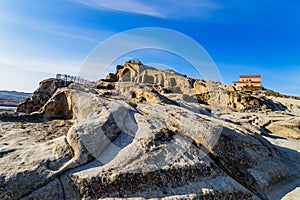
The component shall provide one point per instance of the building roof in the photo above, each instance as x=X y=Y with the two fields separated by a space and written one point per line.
x=249 y=76
x=246 y=82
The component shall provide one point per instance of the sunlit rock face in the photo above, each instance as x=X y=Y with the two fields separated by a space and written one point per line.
x=41 y=95
x=146 y=133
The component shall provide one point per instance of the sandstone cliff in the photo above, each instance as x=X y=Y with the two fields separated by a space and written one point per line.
x=147 y=133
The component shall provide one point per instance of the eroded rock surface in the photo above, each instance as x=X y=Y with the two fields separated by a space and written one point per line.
x=39 y=97
x=145 y=133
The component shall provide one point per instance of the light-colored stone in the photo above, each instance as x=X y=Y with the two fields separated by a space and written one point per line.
x=40 y=96
x=149 y=134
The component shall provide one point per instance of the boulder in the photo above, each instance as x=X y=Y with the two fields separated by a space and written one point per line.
x=40 y=96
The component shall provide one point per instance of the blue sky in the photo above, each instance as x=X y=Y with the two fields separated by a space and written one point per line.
x=41 y=38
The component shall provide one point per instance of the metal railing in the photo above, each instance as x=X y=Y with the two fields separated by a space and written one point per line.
x=69 y=78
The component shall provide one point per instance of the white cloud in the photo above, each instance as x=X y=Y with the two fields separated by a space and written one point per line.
x=163 y=9
x=54 y=27
x=124 y=6
x=50 y=66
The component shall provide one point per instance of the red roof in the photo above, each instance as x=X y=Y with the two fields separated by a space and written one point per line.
x=250 y=76
x=246 y=82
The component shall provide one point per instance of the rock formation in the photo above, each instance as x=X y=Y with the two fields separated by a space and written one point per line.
x=147 y=133
x=39 y=97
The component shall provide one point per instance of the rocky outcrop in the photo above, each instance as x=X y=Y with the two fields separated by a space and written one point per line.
x=207 y=92
x=289 y=128
x=59 y=106
x=28 y=164
x=39 y=97
x=258 y=165
x=141 y=137
x=160 y=166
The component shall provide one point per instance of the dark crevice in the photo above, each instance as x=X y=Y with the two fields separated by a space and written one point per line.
x=3 y=153
x=38 y=187
x=272 y=150
x=165 y=99
x=44 y=184
x=62 y=187
x=16 y=117
x=218 y=161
